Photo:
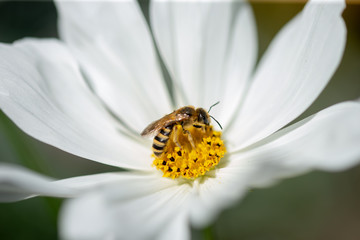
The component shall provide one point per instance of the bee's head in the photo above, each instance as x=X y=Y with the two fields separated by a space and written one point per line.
x=203 y=116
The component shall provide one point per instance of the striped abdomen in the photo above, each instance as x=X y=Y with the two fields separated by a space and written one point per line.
x=161 y=139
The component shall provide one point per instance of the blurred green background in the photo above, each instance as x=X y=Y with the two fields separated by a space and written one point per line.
x=317 y=205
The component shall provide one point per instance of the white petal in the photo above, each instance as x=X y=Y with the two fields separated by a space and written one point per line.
x=133 y=206
x=131 y=182
x=297 y=66
x=238 y=66
x=152 y=212
x=17 y=183
x=224 y=187
x=42 y=91
x=178 y=228
x=114 y=46
x=329 y=140
x=86 y=218
x=209 y=48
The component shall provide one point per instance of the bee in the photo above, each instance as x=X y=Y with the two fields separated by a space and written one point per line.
x=186 y=116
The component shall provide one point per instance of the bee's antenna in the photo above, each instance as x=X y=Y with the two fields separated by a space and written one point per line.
x=213 y=106
x=215 y=119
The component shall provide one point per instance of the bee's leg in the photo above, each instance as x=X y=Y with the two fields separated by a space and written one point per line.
x=190 y=138
x=203 y=128
x=176 y=137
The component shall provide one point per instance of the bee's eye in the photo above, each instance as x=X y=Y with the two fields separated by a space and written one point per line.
x=202 y=118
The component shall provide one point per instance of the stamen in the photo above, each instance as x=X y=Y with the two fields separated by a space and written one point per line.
x=188 y=162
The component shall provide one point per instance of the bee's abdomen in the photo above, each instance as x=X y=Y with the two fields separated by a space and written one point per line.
x=161 y=139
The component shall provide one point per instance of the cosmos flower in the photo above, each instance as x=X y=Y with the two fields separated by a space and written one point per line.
x=93 y=92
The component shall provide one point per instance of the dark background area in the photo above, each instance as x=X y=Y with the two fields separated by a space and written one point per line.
x=318 y=205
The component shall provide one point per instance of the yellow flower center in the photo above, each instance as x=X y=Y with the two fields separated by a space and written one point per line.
x=181 y=159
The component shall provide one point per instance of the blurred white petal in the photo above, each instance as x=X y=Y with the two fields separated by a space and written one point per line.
x=210 y=49
x=329 y=140
x=86 y=218
x=178 y=228
x=226 y=185
x=113 y=44
x=17 y=183
x=134 y=206
x=295 y=69
x=42 y=91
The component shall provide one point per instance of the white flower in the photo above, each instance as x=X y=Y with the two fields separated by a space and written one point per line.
x=210 y=51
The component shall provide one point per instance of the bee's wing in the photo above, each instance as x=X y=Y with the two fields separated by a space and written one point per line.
x=155 y=127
